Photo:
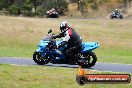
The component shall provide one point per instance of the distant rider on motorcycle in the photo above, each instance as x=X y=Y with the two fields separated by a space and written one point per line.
x=71 y=39
x=116 y=11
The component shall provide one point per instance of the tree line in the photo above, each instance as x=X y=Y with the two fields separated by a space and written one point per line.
x=82 y=4
x=39 y=7
x=32 y=7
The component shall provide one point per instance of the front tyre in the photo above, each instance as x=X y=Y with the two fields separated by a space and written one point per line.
x=39 y=60
x=111 y=17
x=89 y=60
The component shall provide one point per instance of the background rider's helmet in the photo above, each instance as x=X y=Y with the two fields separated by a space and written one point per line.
x=116 y=9
x=53 y=9
x=64 y=26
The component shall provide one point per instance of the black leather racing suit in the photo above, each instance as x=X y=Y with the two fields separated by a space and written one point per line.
x=74 y=42
x=117 y=12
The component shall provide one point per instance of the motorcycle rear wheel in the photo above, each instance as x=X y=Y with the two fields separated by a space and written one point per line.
x=90 y=60
x=121 y=17
x=40 y=61
x=111 y=17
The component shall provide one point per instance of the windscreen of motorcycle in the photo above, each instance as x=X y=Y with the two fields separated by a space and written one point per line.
x=49 y=37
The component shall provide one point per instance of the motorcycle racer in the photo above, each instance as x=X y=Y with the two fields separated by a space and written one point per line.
x=116 y=14
x=116 y=11
x=71 y=39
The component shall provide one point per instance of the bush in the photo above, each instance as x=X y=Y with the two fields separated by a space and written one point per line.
x=27 y=10
x=40 y=12
x=14 y=9
x=26 y=7
x=94 y=6
x=62 y=6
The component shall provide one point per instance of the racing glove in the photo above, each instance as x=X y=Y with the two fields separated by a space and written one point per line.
x=58 y=36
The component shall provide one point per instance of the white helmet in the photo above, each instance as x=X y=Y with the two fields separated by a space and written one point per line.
x=116 y=9
x=53 y=9
x=64 y=25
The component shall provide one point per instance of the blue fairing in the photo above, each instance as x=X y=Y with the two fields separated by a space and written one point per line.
x=41 y=46
x=89 y=46
x=58 y=42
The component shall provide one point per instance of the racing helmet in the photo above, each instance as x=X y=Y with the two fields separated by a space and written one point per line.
x=116 y=9
x=64 y=26
x=53 y=9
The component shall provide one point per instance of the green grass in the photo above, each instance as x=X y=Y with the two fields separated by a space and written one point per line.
x=114 y=55
x=19 y=36
x=45 y=77
x=17 y=51
x=17 y=48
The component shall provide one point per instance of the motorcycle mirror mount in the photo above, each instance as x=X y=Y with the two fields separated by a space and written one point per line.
x=49 y=31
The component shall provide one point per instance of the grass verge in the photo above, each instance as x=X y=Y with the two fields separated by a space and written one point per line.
x=45 y=77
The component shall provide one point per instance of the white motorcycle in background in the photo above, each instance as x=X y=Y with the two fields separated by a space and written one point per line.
x=114 y=15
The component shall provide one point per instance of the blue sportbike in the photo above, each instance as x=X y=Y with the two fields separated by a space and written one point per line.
x=47 y=52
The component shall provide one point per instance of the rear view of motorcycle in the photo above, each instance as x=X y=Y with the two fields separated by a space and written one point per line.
x=48 y=52
x=116 y=15
x=52 y=13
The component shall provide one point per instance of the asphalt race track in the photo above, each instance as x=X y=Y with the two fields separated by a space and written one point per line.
x=114 y=67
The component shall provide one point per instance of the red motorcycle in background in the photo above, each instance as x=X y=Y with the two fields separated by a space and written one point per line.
x=52 y=13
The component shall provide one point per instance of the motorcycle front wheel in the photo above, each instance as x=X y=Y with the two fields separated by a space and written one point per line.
x=111 y=17
x=89 y=60
x=39 y=60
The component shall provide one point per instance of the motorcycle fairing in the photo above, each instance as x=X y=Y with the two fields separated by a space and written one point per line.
x=41 y=46
x=89 y=46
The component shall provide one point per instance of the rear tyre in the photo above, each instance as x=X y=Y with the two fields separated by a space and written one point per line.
x=57 y=16
x=89 y=60
x=121 y=17
x=40 y=61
